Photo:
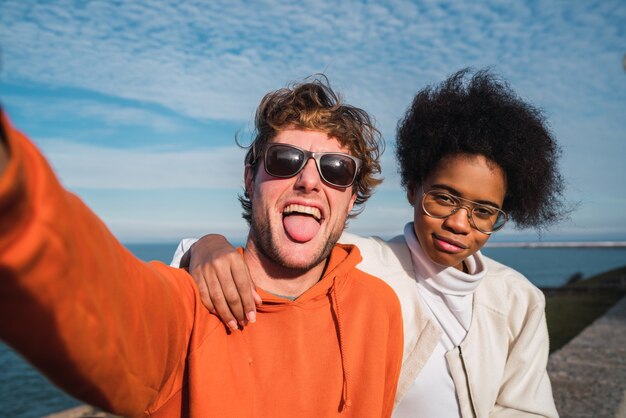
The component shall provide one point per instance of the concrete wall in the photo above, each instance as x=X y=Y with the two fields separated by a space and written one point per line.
x=589 y=373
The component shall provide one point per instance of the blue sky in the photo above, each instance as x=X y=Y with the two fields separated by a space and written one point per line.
x=137 y=103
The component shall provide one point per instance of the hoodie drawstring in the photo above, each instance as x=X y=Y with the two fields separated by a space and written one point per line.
x=347 y=402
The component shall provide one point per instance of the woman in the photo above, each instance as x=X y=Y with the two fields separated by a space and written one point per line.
x=472 y=155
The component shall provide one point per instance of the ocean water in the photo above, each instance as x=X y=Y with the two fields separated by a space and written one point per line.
x=552 y=267
x=24 y=393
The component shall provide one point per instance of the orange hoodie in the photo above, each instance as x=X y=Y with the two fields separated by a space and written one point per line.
x=133 y=338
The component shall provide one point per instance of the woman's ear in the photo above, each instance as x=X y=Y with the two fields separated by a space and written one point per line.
x=412 y=192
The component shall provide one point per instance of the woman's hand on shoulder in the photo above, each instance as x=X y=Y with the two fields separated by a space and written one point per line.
x=223 y=279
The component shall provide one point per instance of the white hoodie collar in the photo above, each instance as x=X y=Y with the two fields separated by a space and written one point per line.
x=447 y=280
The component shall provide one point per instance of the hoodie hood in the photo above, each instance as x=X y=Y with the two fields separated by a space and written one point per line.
x=327 y=290
x=342 y=259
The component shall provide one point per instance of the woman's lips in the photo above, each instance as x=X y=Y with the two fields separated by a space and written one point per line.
x=448 y=245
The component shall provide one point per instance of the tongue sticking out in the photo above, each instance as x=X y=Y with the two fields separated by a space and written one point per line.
x=300 y=228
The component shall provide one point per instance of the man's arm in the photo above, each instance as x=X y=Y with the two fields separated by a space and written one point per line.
x=106 y=327
x=224 y=282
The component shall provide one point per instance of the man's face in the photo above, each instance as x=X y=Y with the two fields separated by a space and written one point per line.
x=296 y=221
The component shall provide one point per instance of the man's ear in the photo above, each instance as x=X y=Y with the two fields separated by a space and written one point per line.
x=248 y=176
x=352 y=200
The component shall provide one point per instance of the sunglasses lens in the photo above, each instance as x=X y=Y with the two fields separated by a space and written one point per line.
x=286 y=161
x=283 y=161
x=337 y=169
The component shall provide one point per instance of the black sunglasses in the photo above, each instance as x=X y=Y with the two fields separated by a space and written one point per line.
x=335 y=168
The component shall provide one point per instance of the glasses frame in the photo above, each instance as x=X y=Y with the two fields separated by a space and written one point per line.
x=316 y=156
x=468 y=208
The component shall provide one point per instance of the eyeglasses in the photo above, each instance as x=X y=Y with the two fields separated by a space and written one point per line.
x=335 y=168
x=486 y=219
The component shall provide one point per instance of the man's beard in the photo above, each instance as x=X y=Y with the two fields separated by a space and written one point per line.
x=262 y=236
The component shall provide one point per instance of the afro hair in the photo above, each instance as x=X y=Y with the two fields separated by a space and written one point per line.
x=479 y=114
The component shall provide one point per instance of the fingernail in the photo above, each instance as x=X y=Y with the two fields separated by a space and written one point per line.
x=233 y=325
x=251 y=316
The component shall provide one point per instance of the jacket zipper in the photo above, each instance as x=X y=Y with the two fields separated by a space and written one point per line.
x=469 y=392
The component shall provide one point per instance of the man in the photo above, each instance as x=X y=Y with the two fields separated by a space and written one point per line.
x=133 y=337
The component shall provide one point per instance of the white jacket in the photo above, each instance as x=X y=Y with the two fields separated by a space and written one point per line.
x=499 y=370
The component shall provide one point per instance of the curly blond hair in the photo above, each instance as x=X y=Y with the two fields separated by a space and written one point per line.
x=313 y=105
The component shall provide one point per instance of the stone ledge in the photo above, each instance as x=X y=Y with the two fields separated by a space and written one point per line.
x=83 y=411
x=589 y=373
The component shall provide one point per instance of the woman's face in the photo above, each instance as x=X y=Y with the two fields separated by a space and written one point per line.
x=449 y=241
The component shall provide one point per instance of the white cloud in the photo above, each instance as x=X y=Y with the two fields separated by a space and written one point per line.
x=215 y=60
x=136 y=230
x=93 y=167
x=110 y=114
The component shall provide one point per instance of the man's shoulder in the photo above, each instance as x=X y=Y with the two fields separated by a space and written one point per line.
x=368 y=287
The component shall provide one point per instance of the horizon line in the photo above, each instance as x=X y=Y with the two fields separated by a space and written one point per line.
x=518 y=244
x=558 y=244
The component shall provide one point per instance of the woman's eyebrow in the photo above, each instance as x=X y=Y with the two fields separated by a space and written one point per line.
x=455 y=192
x=447 y=188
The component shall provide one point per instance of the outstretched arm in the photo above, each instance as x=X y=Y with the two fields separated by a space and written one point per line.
x=223 y=279
x=106 y=327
